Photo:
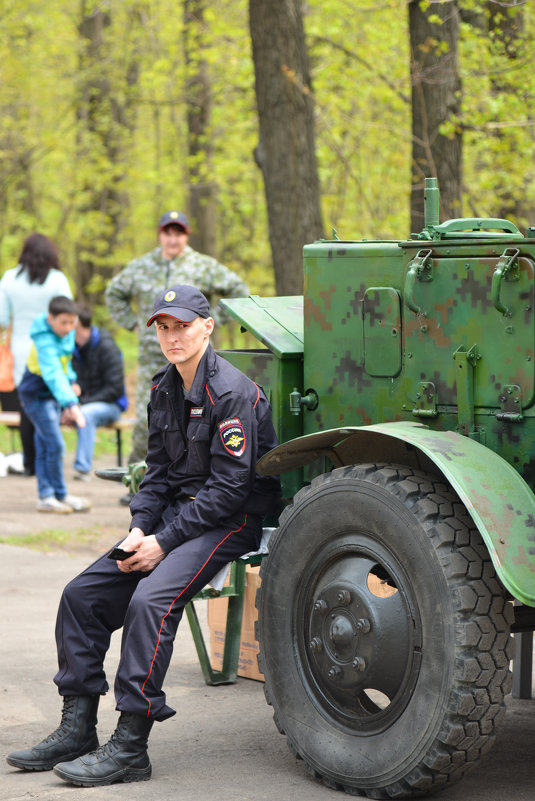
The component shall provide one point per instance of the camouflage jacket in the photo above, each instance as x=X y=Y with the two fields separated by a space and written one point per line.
x=130 y=294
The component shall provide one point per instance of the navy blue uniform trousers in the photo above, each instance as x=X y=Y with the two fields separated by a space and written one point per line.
x=148 y=606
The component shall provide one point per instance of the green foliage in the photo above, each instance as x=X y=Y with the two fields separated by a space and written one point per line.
x=93 y=149
x=499 y=88
x=362 y=95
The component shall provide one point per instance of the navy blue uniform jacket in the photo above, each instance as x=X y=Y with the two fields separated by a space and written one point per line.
x=202 y=453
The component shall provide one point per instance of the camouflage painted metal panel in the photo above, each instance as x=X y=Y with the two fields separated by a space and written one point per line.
x=440 y=331
x=499 y=501
x=382 y=331
x=337 y=277
x=487 y=394
x=277 y=322
x=457 y=311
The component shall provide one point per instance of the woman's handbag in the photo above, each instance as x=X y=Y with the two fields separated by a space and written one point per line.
x=7 y=383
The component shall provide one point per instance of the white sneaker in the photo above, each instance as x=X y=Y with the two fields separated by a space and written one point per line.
x=77 y=504
x=52 y=504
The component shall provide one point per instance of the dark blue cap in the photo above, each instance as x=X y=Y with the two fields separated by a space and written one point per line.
x=183 y=302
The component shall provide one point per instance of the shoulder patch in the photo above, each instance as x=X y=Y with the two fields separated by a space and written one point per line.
x=233 y=436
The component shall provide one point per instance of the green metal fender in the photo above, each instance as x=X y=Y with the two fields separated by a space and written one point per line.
x=498 y=499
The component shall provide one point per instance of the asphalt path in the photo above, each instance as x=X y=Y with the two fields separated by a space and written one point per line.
x=222 y=744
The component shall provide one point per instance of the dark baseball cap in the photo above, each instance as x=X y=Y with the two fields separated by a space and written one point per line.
x=183 y=302
x=174 y=218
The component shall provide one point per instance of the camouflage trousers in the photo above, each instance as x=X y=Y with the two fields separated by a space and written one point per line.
x=145 y=372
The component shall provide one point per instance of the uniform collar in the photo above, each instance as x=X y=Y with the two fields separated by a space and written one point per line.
x=206 y=369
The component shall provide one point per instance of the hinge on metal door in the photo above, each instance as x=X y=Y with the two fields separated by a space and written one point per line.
x=466 y=361
x=426 y=400
x=511 y=404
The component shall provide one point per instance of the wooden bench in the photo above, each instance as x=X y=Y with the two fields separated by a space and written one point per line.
x=12 y=421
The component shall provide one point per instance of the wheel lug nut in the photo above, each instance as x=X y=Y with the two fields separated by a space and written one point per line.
x=344 y=597
x=315 y=644
x=334 y=673
x=358 y=663
x=363 y=625
x=320 y=606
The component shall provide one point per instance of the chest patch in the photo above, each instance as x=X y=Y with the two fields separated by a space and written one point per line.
x=232 y=436
x=196 y=411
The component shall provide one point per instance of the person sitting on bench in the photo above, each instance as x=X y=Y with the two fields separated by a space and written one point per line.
x=98 y=364
x=199 y=506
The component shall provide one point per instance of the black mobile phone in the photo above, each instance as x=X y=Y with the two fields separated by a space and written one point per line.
x=119 y=555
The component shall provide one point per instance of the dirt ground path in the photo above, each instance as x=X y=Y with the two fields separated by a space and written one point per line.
x=78 y=533
x=222 y=744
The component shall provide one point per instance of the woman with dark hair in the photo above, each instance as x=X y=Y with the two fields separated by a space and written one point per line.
x=25 y=292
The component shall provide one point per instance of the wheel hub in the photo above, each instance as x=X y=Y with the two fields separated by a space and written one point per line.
x=342 y=634
x=357 y=642
x=339 y=624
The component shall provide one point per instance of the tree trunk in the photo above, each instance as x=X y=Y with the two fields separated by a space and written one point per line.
x=286 y=149
x=202 y=190
x=104 y=120
x=436 y=106
x=505 y=33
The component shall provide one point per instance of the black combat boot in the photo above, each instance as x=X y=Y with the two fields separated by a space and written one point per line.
x=75 y=735
x=124 y=758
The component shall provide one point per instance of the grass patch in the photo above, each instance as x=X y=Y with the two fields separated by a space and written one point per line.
x=49 y=540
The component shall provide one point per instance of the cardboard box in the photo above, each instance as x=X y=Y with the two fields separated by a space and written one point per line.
x=217 y=619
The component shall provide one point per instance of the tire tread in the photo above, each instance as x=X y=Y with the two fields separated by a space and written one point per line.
x=482 y=621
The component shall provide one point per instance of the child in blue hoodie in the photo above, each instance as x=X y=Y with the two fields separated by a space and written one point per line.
x=48 y=386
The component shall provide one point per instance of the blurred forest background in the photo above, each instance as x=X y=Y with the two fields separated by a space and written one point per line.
x=269 y=122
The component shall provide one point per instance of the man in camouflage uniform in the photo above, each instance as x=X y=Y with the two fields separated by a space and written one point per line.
x=131 y=293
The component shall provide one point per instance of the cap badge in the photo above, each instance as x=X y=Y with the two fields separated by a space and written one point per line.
x=169 y=296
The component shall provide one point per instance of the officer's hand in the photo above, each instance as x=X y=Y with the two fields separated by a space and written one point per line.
x=131 y=543
x=148 y=553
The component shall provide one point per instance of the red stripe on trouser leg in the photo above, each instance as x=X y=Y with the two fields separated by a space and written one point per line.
x=206 y=561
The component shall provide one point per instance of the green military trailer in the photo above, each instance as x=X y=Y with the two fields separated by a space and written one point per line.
x=402 y=385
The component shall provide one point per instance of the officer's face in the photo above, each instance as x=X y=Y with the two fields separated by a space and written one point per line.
x=183 y=344
x=173 y=240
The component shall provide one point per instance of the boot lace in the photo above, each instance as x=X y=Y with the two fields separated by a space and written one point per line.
x=117 y=739
x=67 y=716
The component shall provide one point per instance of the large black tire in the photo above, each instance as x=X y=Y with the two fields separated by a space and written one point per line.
x=384 y=632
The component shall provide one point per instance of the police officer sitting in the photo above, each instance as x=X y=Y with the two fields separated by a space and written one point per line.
x=199 y=506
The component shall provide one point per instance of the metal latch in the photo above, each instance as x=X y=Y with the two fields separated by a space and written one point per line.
x=511 y=404
x=418 y=269
x=506 y=269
